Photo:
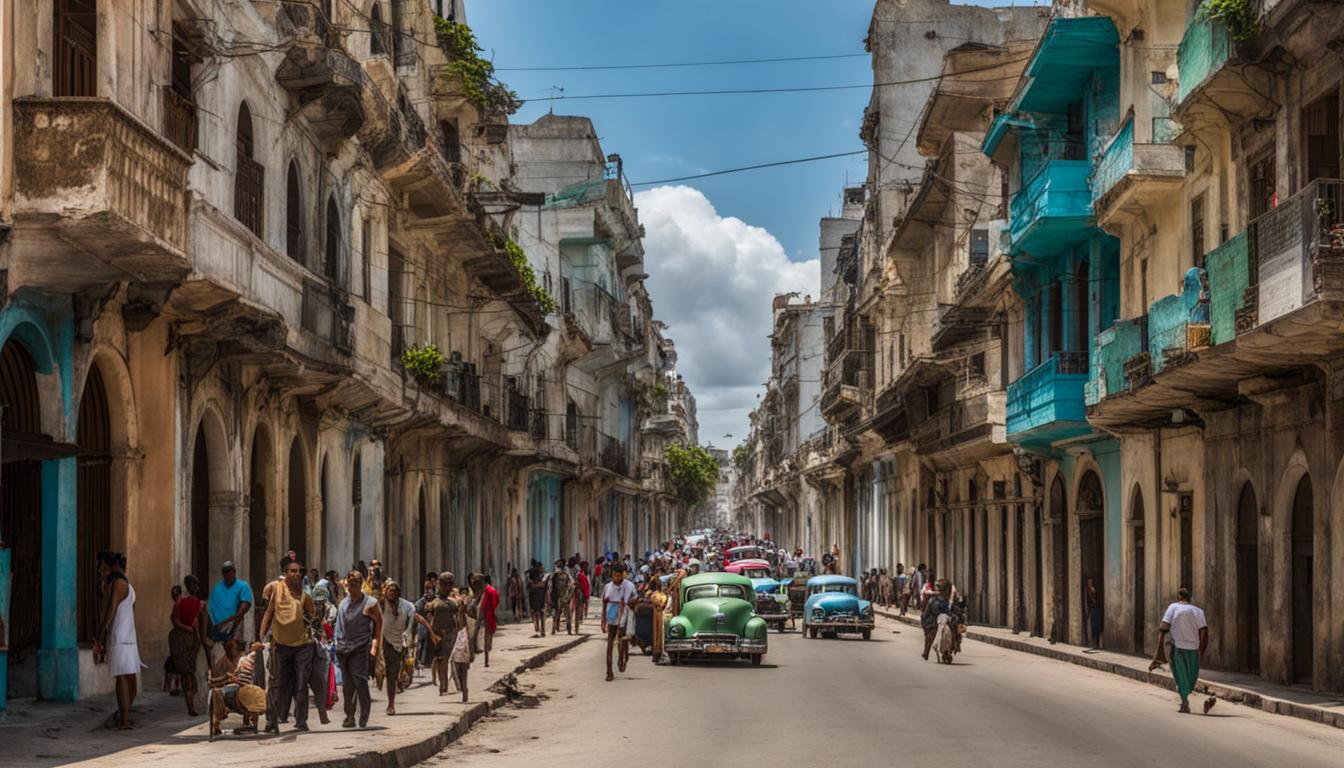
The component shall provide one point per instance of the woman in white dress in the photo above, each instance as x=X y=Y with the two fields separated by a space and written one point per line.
x=118 y=646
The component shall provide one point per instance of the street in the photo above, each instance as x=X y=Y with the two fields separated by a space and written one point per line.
x=849 y=702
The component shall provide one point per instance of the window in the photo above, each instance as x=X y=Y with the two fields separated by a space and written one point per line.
x=76 y=45
x=451 y=140
x=1143 y=284
x=979 y=246
x=366 y=257
x=1081 y=328
x=1056 y=309
x=1320 y=123
x=1197 y=230
x=331 y=262
x=179 y=111
x=293 y=214
x=249 y=177
x=379 y=33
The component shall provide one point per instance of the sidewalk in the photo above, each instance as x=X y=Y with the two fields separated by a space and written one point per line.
x=1235 y=687
x=50 y=734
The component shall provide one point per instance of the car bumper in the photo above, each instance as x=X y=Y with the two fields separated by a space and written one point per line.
x=714 y=647
x=855 y=625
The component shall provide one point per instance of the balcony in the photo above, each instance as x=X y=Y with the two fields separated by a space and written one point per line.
x=1053 y=209
x=840 y=401
x=1117 y=349
x=612 y=454
x=327 y=82
x=460 y=382
x=1230 y=275
x=1046 y=404
x=961 y=426
x=1135 y=172
x=328 y=314
x=1178 y=325
x=98 y=196
x=179 y=120
x=1214 y=77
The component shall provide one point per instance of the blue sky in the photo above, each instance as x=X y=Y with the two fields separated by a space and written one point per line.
x=721 y=328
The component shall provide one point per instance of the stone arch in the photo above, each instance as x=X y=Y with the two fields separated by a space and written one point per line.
x=1247 y=543
x=294 y=211
x=1090 y=516
x=1138 y=565
x=261 y=515
x=296 y=500
x=1057 y=512
x=210 y=529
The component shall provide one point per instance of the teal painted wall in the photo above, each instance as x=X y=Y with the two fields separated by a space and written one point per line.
x=45 y=326
x=1229 y=269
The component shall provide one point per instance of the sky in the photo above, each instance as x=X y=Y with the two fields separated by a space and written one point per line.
x=716 y=249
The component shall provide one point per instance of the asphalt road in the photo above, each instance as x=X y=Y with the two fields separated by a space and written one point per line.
x=876 y=703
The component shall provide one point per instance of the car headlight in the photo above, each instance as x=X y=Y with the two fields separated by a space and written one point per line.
x=818 y=614
x=868 y=612
x=782 y=599
x=677 y=630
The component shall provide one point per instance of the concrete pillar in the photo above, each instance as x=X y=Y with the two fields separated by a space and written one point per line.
x=57 y=656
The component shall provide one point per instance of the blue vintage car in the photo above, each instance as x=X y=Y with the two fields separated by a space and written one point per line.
x=833 y=606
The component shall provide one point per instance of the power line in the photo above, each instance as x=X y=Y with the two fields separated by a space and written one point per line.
x=749 y=168
x=669 y=65
x=802 y=89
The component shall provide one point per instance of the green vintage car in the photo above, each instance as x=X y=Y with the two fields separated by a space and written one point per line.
x=718 y=618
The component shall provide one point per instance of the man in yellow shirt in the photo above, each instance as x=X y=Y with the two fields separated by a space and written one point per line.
x=288 y=614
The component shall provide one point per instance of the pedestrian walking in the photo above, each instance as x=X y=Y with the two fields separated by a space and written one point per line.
x=1189 y=632
x=939 y=603
x=230 y=600
x=616 y=596
x=444 y=610
x=514 y=591
x=399 y=616
x=583 y=591
x=560 y=598
x=359 y=632
x=289 y=612
x=186 y=638
x=117 y=644
x=487 y=622
x=536 y=598
x=423 y=650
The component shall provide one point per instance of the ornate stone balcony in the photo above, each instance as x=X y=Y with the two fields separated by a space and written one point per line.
x=99 y=196
x=317 y=70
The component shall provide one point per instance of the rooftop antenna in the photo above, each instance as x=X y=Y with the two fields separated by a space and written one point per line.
x=556 y=93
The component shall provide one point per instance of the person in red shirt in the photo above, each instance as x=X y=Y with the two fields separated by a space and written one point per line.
x=186 y=638
x=582 y=594
x=489 y=607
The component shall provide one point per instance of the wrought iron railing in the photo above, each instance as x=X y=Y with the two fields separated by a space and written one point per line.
x=179 y=120
x=249 y=194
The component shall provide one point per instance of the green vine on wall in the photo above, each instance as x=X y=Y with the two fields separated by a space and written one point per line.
x=423 y=362
x=529 y=276
x=1239 y=16
x=475 y=74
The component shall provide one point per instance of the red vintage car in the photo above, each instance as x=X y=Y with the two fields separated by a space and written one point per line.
x=744 y=552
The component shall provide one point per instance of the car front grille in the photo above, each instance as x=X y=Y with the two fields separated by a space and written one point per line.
x=716 y=637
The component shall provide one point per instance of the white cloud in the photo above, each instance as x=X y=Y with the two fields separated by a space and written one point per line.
x=712 y=279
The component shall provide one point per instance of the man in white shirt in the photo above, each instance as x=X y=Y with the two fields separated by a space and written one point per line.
x=616 y=596
x=1189 y=636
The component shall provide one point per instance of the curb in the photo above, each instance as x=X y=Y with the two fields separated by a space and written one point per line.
x=1223 y=691
x=410 y=754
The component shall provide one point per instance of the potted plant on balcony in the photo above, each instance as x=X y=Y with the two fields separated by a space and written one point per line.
x=423 y=362
x=474 y=75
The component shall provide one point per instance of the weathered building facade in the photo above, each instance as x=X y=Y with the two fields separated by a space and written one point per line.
x=258 y=296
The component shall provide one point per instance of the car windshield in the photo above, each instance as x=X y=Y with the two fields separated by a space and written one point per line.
x=848 y=589
x=753 y=553
x=715 y=590
x=756 y=573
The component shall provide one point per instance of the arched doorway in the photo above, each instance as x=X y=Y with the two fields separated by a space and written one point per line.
x=1137 y=564
x=1038 y=544
x=93 y=498
x=298 y=502
x=1091 y=515
x=261 y=465
x=1248 y=579
x=1303 y=544
x=422 y=534
x=328 y=537
x=356 y=507
x=21 y=503
x=1059 y=552
x=1019 y=570
x=200 y=503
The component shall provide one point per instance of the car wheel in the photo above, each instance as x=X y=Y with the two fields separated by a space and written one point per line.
x=867 y=634
x=829 y=635
x=812 y=632
x=756 y=659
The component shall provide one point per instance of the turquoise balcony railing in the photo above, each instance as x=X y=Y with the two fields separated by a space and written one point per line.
x=1053 y=208
x=1203 y=50
x=1229 y=270
x=1046 y=404
x=1179 y=324
x=1115 y=161
x=1115 y=347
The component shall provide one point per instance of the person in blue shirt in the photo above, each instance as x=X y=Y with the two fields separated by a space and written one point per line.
x=229 y=602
